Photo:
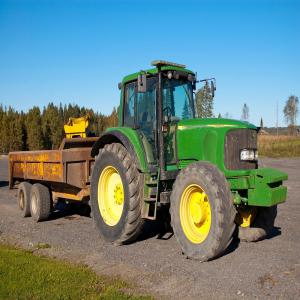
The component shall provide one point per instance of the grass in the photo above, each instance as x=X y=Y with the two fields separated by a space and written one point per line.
x=24 y=275
x=279 y=146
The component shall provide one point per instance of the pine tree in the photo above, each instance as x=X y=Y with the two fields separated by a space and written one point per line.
x=113 y=118
x=2 y=137
x=35 y=139
x=52 y=124
x=4 y=132
x=204 y=102
x=14 y=130
x=186 y=114
x=261 y=123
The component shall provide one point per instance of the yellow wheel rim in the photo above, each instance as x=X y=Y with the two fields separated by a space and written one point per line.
x=245 y=217
x=195 y=214
x=110 y=196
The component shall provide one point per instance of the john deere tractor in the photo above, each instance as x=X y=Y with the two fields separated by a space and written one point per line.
x=162 y=156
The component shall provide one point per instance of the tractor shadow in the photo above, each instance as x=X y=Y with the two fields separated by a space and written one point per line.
x=3 y=183
x=160 y=228
x=276 y=231
x=71 y=211
x=235 y=242
x=233 y=245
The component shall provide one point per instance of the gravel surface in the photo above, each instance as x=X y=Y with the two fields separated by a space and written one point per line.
x=265 y=270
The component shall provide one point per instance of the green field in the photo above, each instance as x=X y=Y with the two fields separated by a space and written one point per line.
x=279 y=146
x=24 y=275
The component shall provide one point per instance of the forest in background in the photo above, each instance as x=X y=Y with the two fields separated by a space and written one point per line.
x=44 y=129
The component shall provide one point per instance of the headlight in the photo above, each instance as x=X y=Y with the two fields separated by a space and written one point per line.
x=248 y=154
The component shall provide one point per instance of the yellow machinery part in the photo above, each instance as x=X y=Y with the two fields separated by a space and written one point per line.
x=245 y=217
x=77 y=127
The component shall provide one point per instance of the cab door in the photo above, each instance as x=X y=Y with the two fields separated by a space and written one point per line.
x=176 y=106
x=146 y=119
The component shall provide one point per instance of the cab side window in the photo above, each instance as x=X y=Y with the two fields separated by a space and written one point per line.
x=129 y=104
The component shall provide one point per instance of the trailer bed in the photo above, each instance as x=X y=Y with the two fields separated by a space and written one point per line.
x=67 y=170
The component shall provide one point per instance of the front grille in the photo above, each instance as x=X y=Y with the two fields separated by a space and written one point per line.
x=235 y=141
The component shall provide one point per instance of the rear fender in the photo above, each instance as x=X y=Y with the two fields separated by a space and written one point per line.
x=129 y=139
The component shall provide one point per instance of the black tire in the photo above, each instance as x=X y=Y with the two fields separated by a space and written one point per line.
x=262 y=225
x=40 y=202
x=214 y=184
x=130 y=224
x=24 y=198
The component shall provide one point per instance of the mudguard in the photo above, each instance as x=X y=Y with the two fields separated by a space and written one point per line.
x=129 y=139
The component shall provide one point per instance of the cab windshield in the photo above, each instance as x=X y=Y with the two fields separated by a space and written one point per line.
x=178 y=102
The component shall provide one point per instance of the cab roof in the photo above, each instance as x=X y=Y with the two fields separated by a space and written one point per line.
x=165 y=66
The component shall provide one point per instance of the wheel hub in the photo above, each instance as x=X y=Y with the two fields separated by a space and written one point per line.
x=119 y=194
x=195 y=214
x=198 y=207
x=110 y=195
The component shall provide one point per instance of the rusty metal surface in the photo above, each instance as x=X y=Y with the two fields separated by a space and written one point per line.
x=38 y=165
x=70 y=166
x=78 y=143
x=73 y=196
x=77 y=163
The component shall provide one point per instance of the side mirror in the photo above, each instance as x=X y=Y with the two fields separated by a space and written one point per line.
x=194 y=85
x=212 y=88
x=142 y=83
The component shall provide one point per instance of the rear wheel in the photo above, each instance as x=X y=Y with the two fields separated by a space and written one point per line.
x=116 y=195
x=24 y=198
x=40 y=202
x=202 y=212
x=255 y=223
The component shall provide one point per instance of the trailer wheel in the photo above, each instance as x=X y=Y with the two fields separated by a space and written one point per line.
x=202 y=211
x=24 y=198
x=116 y=195
x=260 y=227
x=40 y=202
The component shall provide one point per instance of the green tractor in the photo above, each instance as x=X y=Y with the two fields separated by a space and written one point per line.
x=161 y=156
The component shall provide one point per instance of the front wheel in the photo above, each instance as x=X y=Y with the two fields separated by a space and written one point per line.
x=116 y=195
x=202 y=212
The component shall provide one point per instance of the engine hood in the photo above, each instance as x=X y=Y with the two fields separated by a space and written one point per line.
x=205 y=140
x=214 y=123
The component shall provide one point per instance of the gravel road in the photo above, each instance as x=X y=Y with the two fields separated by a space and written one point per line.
x=265 y=270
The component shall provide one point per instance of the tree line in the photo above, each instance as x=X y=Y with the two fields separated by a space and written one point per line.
x=41 y=129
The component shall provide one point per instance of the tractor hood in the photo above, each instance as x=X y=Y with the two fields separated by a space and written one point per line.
x=205 y=140
x=213 y=123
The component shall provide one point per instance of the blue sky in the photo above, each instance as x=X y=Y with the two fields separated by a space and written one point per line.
x=77 y=51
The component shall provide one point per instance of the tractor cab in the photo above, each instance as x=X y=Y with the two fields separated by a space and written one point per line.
x=153 y=102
